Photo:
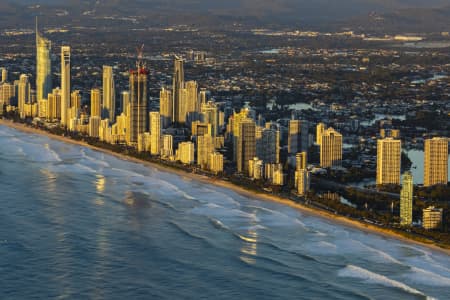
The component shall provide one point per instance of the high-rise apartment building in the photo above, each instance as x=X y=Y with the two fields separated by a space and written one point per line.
x=138 y=115
x=4 y=75
x=186 y=152
x=406 y=199
x=190 y=108
x=65 y=84
x=210 y=115
x=246 y=145
x=432 y=217
x=95 y=103
x=388 y=161
x=109 y=94
x=43 y=68
x=331 y=149
x=167 y=146
x=166 y=107
x=436 y=161
x=125 y=95
x=24 y=94
x=177 y=87
x=7 y=94
x=301 y=160
x=155 y=131
x=54 y=105
x=205 y=146
x=216 y=162
x=297 y=136
x=267 y=145
x=320 y=128
x=303 y=181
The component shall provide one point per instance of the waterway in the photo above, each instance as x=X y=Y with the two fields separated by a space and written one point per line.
x=80 y=224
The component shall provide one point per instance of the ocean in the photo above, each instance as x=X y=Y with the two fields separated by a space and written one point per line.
x=80 y=224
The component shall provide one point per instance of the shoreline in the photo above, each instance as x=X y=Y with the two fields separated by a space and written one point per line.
x=338 y=219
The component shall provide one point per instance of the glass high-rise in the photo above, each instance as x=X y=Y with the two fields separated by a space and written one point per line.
x=406 y=199
x=65 y=84
x=43 y=67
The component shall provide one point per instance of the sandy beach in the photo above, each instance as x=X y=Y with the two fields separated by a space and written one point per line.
x=251 y=194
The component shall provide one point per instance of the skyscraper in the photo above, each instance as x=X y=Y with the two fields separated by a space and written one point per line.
x=43 y=68
x=155 y=130
x=331 y=149
x=75 y=105
x=301 y=160
x=406 y=199
x=138 y=115
x=246 y=145
x=125 y=102
x=205 y=146
x=24 y=94
x=166 y=107
x=267 y=146
x=185 y=152
x=388 y=161
x=297 y=136
x=4 y=75
x=436 y=161
x=320 y=128
x=95 y=103
x=216 y=162
x=303 y=181
x=54 y=105
x=109 y=94
x=65 y=84
x=190 y=101
x=210 y=115
x=177 y=86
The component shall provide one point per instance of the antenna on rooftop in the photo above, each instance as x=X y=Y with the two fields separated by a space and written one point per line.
x=140 y=64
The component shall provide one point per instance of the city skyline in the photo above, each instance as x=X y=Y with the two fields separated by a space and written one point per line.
x=247 y=154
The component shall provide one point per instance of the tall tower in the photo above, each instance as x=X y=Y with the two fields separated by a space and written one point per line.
x=246 y=145
x=65 y=84
x=24 y=94
x=436 y=161
x=166 y=107
x=331 y=148
x=297 y=136
x=267 y=146
x=406 y=199
x=320 y=128
x=177 y=86
x=109 y=94
x=388 y=161
x=155 y=130
x=138 y=115
x=210 y=115
x=43 y=67
x=95 y=103
x=4 y=74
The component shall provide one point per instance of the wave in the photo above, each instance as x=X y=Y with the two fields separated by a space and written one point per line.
x=350 y=245
x=428 y=278
x=352 y=271
x=277 y=218
x=189 y=234
x=218 y=224
x=215 y=210
x=92 y=159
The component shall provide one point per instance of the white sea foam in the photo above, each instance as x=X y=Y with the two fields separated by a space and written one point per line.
x=367 y=276
x=219 y=212
x=372 y=254
x=424 y=277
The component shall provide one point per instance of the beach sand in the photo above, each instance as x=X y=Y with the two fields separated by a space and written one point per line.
x=369 y=228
